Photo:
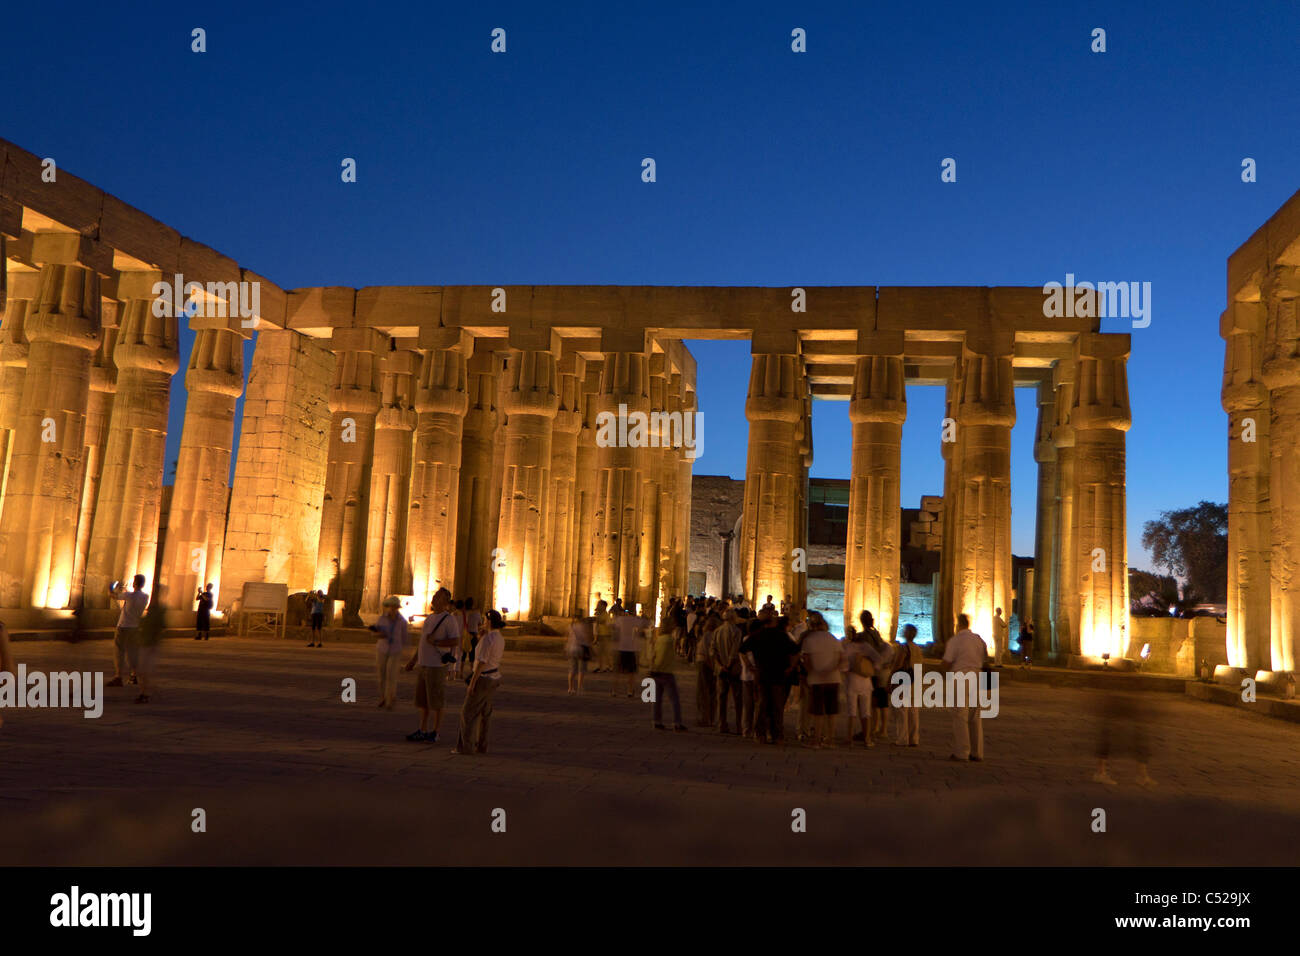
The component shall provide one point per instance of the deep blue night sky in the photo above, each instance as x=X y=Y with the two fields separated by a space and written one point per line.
x=774 y=168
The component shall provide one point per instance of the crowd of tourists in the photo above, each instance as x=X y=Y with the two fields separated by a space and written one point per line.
x=752 y=665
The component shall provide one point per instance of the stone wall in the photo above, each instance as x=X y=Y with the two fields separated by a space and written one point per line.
x=1178 y=645
x=716 y=502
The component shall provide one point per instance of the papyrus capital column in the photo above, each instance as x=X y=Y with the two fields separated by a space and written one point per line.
x=1100 y=417
x=388 y=569
x=345 y=508
x=13 y=363
x=557 y=583
x=531 y=400
x=124 y=540
x=877 y=409
x=1040 y=602
x=1245 y=398
x=1280 y=293
x=985 y=412
x=773 y=469
x=479 y=510
x=44 y=490
x=586 y=488
x=441 y=400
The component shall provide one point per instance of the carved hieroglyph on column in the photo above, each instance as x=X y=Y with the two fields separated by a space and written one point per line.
x=1281 y=295
x=1101 y=417
x=774 y=466
x=985 y=414
x=530 y=404
x=877 y=409
x=388 y=569
x=800 y=570
x=441 y=399
x=479 y=509
x=196 y=519
x=668 y=583
x=585 y=490
x=125 y=536
x=945 y=592
x=654 y=459
x=1065 y=580
x=619 y=468
x=13 y=369
x=557 y=583
x=1040 y=602
x=46 y=469
x=1245 y=399
x=354 y=403
x=103 y=384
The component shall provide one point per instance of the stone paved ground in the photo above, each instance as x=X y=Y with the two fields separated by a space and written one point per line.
x=254 y=733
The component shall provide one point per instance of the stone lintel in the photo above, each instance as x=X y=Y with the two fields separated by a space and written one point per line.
x=273 y=300
x=774 y=342
x=317 y=310
x=1105 y=345
x=532 y=339
x=198 y=263
x=444 y=339
x=622 y=340
x=400 y=310
x=143 y=238
x=881 y=343
x=11 y=219
x=358 y=340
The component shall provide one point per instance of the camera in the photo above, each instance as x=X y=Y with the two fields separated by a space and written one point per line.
x=449 y=658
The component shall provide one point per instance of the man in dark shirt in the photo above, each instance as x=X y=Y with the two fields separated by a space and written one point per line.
x=774 y=656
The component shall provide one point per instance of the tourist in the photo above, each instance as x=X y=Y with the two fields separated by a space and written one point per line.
x=860 y=662
x=1122 y=713
x=203 y=616
x=965 y=653
x=476 y=712
x=907 y=720
x=317 y=603
x=748 y=679
x=821 y=656
x=473 y=622
x=148 y=637
x=797 y=626
x=391 y=628
x=1027 y=642
x=774 y=656
x=578 y=650
x=604 y=639
x=628 y=629
x=880 y=681
x=1001 y=636
x=768 y=605
x=727 y=667
x=663 y=664
x=706 y=682
x=126 y=636
x=439 y=637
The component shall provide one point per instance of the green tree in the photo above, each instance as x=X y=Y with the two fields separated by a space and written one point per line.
x=1192 y=543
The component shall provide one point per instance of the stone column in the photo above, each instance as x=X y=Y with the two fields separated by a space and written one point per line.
x=388 y=570
x=654 y=455
x=619 y=469
x=773 y=469
x=557 y=587
x=877 y=409
x=13 y=370
x=279 y=489
x=1281 y=295
x=585 y=490
x=38 y=530
x=1065 y=578
x=103 y=385
x=800 y=593
x=125 y=537
x=985 y=415
x=1100 y=418
x=1040 y=603
x=1245 y=399
x=479 y=508
x=196 y=518
x=946 y=592
x=531 y=401
x=441 y=400
x=682 y=487
x=345 y=507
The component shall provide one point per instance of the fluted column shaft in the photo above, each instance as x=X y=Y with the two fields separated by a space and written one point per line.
x=441 y=400
x=124 y=541
x=345 y=509
x=387 y=560
x=1065 y=579
x=1246 y=400
x=38 y=529
x=1281 y=373
x=1101 y=417
x=877 y=409
x=530 y=404
x=1040 y=602
x=620 y=468
x=985 y=415
x=681 y=500
x=479 y=507
x=196 y=518
x=585 y=492
x=557 y=587
x=773 y=469
x=945 y=597
x=13 y=369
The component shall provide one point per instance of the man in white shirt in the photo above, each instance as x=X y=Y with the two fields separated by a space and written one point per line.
x=126 y=645
x=821 y=659
x=439 y=637
x=476 y=712
x=965 y=654
x=628 y=629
